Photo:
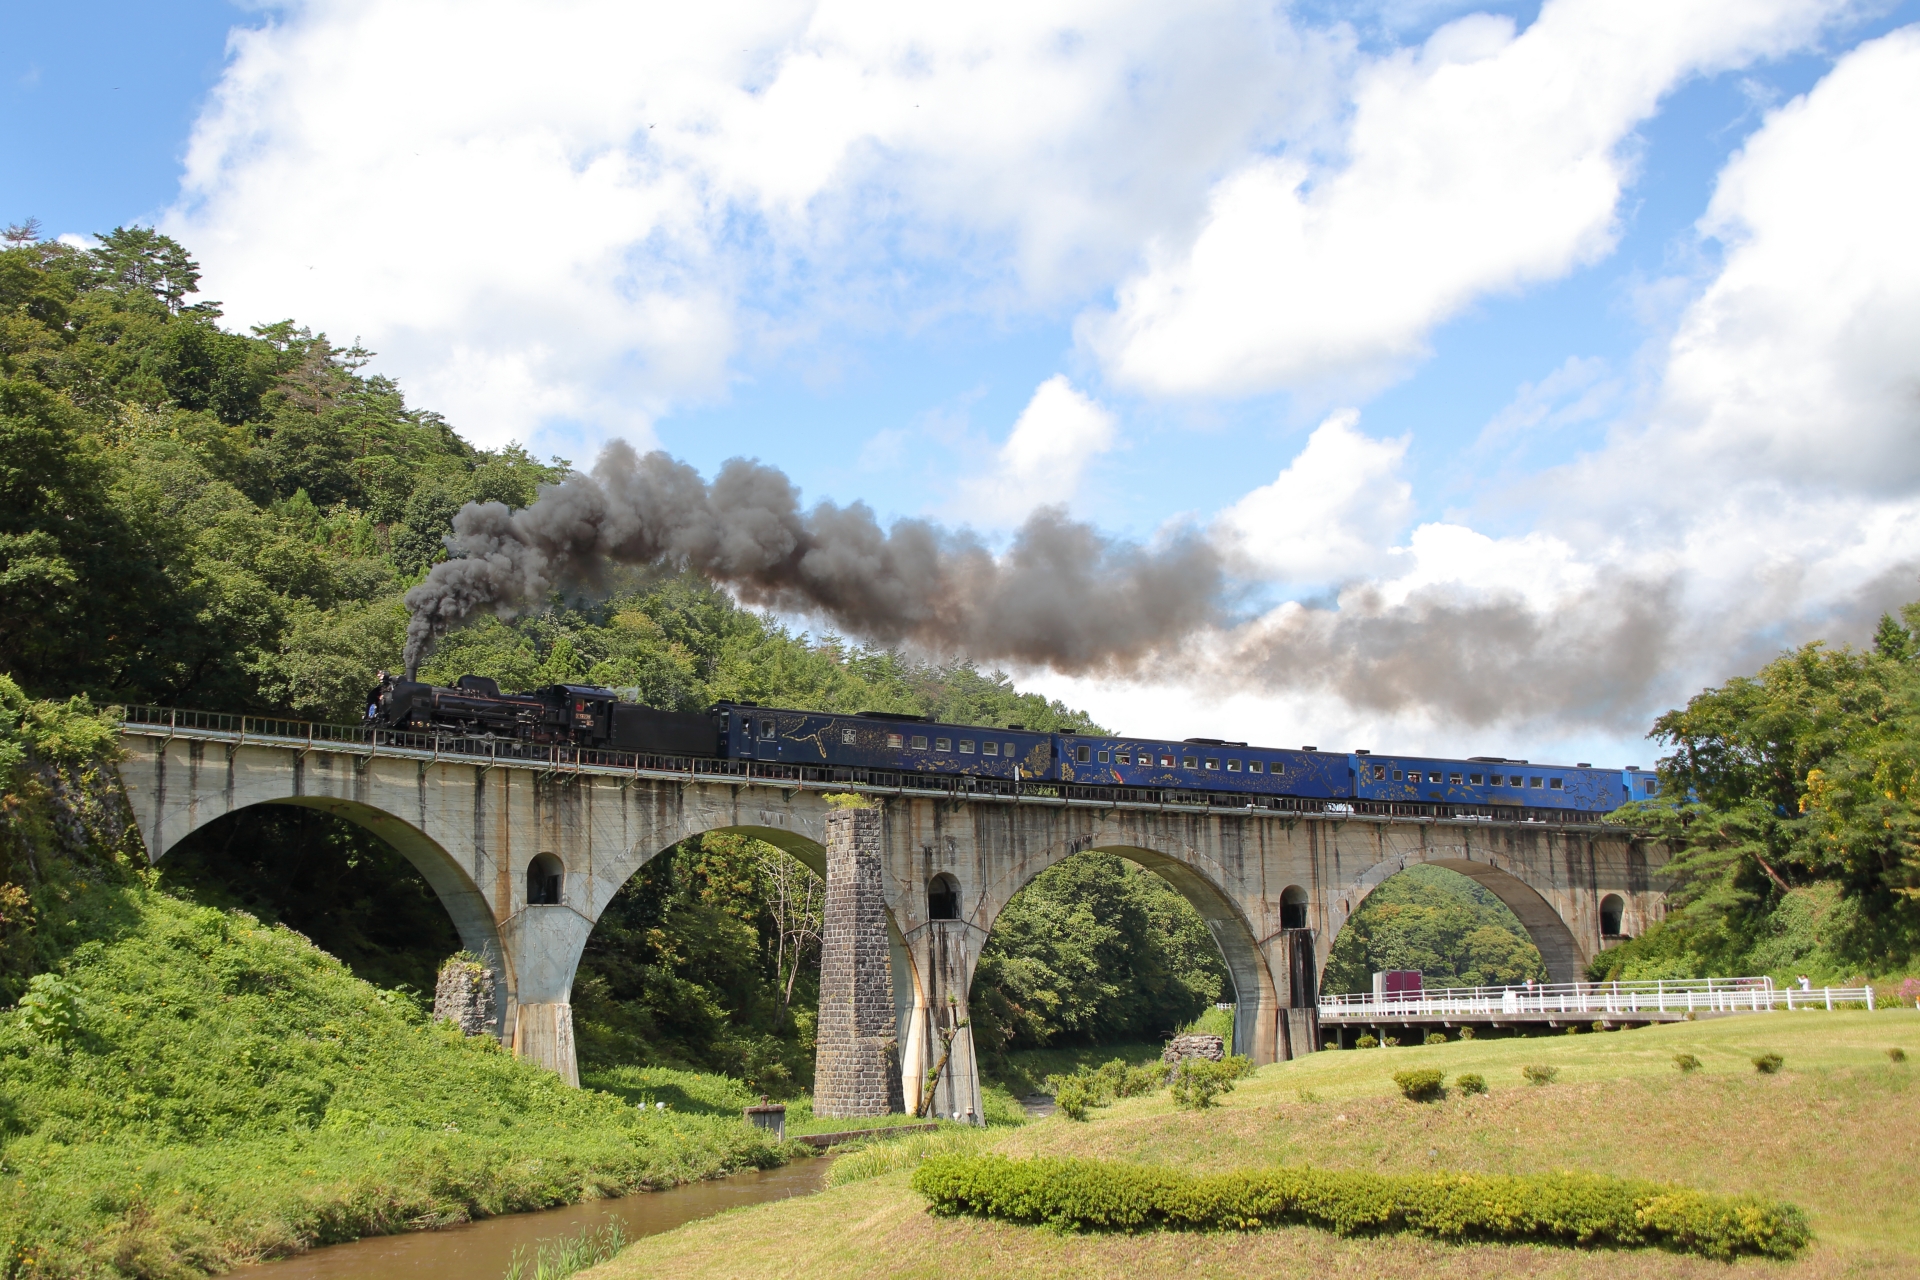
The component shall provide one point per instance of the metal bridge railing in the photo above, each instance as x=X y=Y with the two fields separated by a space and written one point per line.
x=367 y=741
x=1693 y=995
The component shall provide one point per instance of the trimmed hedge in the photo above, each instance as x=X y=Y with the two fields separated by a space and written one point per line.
x=1558 y=1208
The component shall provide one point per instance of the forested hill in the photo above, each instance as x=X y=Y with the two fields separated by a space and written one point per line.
x=203 y=518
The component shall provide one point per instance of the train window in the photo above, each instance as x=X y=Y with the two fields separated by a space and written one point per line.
x=846 y=737
x=1533 y=782
x=1007 y=749
x=1083 y=754
x=1398 y=776
x=1454 y=778
x=1233 y=766
x=1213 y=764
x=1190 y=762
x=895 y=740
x=1166 y=761
x=1379 y=773
x=919 y=742
x=943 y=744
x=1653 y=786
x=966 y=746
x=1474 y=778
x=766 y=728
x=1255 y=766
x=1103 y=757
x=1433 y=777
x=1515 y=780
x=1554 y=783
x=989 y=748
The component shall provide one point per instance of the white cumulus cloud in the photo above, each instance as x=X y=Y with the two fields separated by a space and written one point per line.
x=1483 y=161
x=1044 y=458
x=1331 y=516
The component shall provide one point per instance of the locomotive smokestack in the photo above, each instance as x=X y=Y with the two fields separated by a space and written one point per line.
x=1063 y=595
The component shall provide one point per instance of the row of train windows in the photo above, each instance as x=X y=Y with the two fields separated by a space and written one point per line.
x=1147 y=759
x=1473 y=779
x=919 y=743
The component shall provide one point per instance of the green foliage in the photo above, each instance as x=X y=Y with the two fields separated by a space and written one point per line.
x=1466 y=1033
x=1539 y=1074
x=1896 y=1054
x=1564 y=1208
x=847 y=800
x=1791 y=804
x=225 y=1086
x=1198 y=1083
x=50 y=1011
x=1768 y=1063
x=1366 y=1041
x=681 y=970
x=1435 y=1037
x=1214 y=1022
x=1424 y=1084
x=1470 y=1083
x=1089 y=1086
x=1094 y=951
x=1455 y=932
x=558 y=1259
x=1687 y=1063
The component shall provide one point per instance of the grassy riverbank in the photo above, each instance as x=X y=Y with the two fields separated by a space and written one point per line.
x=1835 y=1131
x=220 y=1091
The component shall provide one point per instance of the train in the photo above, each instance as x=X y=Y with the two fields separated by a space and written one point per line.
x=593 y=718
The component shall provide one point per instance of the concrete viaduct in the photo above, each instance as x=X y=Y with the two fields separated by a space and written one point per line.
x=489 y=831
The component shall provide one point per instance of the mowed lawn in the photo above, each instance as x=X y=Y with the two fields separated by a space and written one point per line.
x=1837 y=1132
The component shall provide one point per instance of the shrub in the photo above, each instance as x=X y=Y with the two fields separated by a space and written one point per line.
x=1435 y=1037
x=1424 y=1085
x=1573 y=1031
x=1562 y=1208
x=1470 y=1083
x=1687 y=1063
x=1540 y=1075
x=1366 y=1042
x=1098 y=1086
x=1768 y=1063
x=1896 y=1055
x=1198 y=1081
x=50 y=1011
x=1466 y=1033
x=1599 y=1025
x=1072 y=1098
x=1390 y=1042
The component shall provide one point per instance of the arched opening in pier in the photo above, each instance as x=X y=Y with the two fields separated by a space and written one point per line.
x=708 y=959
x=1613 y=910
x=1105 y=954
x=1454 y=931
x=943 y=898
x=352 y=893
x=546 y=881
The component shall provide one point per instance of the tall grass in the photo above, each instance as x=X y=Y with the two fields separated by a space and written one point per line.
x=558 y=1259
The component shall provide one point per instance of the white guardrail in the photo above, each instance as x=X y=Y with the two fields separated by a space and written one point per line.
x=1694 y=995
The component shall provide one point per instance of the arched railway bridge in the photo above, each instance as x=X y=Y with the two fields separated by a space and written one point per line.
x=526 y=845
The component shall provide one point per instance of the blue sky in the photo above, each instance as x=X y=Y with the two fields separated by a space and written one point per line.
x=1408 y=307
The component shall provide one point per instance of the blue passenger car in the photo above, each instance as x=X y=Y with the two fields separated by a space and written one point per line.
x=877 y=740
x=1487 y=781
x=1201 y=764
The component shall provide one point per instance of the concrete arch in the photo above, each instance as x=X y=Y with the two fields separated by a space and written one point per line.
x=1232 y=932
x=1562 y=953
x=462 y=900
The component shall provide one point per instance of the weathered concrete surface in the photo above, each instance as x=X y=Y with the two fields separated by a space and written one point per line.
x=471 y=828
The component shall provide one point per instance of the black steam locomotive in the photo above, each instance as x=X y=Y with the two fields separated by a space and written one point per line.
x=568 y=714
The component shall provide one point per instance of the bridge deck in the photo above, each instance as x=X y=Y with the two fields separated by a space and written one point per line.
x=365 y=744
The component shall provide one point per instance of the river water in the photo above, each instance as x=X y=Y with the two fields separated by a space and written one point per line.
x=481 y=1250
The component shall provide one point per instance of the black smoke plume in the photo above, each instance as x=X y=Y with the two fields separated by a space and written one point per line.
x=1063 y=595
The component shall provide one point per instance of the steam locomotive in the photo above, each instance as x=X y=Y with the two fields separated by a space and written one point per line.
x=591 y=717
